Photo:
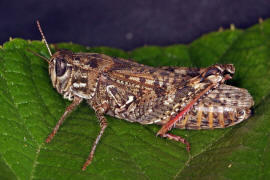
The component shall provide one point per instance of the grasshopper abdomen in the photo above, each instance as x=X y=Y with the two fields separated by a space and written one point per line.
x=223 y=107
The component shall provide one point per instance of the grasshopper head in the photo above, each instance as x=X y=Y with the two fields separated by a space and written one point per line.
x=59 y=68
x=60 y=71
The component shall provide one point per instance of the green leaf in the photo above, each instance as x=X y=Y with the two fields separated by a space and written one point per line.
x=30 y=108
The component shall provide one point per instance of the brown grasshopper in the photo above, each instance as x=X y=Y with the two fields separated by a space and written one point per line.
x=185 y=98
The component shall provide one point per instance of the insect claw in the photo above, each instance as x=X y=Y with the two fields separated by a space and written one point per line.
x=178 y=139
x=48 y=140
x=187 y=146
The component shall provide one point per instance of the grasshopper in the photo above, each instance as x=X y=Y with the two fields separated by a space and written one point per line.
x=173 y=97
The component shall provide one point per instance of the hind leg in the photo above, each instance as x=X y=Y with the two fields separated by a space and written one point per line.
x=202 y=84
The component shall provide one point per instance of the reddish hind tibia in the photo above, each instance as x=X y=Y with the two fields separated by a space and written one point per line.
x=166 y=127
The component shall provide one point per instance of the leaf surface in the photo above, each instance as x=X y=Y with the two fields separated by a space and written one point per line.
x=30 y=108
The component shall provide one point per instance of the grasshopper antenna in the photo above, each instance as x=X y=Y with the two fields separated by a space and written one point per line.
x=36 y=54
x=43 y=37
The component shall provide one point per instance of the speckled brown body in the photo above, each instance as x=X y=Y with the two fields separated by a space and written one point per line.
x=186 y=98
x=144 y=94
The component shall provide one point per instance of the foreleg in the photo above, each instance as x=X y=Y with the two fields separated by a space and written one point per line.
x=69 y=109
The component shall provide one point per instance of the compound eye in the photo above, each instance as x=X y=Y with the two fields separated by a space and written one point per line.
x=60 y=67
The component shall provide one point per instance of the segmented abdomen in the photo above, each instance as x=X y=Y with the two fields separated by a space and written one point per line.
x=223 y=107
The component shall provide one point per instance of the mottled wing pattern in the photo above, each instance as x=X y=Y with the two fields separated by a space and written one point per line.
x=185 y=72
x=158 y=94
x=151 y=88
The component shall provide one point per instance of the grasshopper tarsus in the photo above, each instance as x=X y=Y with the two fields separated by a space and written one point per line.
x=49 y=138
x=103 y=124
x=178 y=139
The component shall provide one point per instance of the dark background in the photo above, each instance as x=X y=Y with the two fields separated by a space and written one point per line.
x=126 y=24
